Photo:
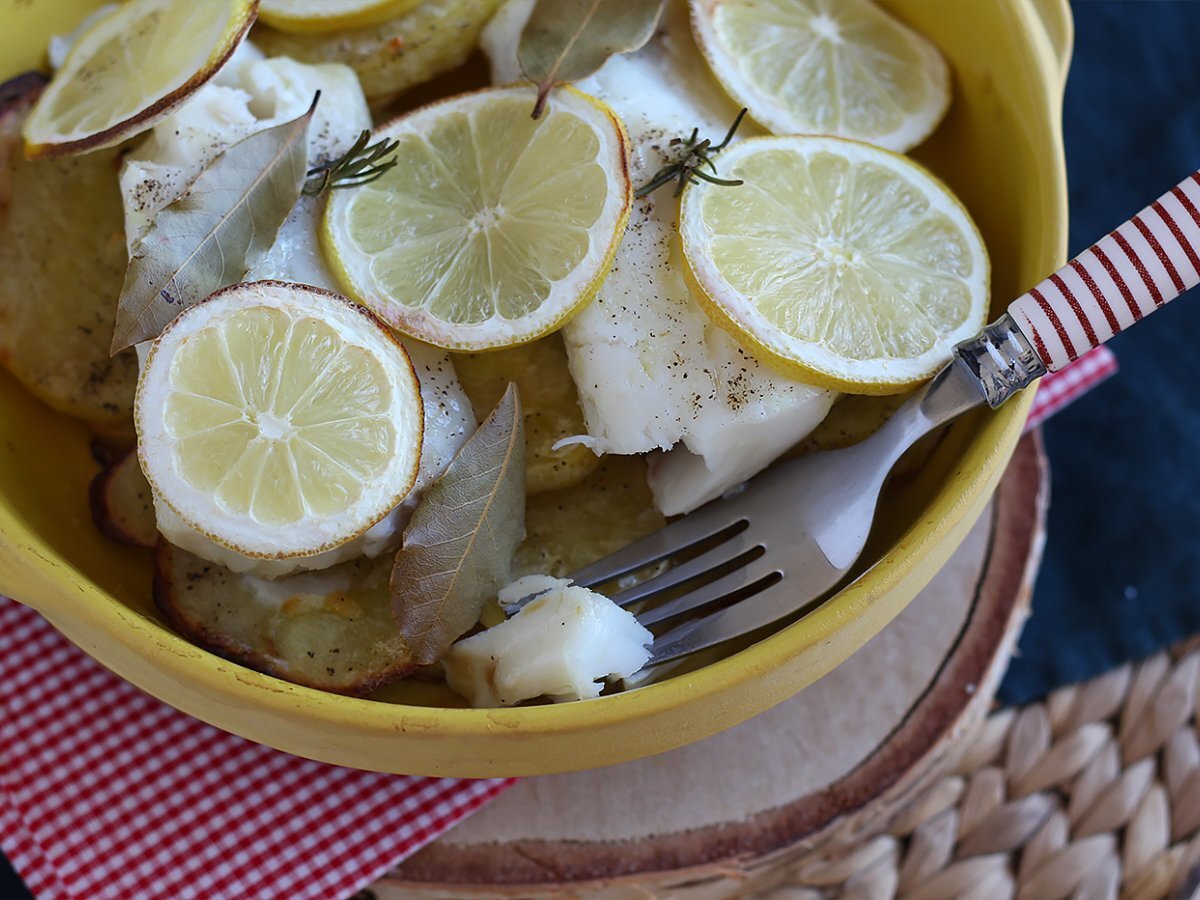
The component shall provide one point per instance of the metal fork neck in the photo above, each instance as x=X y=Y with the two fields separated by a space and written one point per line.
x=1001 y=359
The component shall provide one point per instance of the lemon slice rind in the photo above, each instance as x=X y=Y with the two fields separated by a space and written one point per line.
x=197 y=505
x=320 y=16
x=810 y=360
x=43 y=138
x=355 y=265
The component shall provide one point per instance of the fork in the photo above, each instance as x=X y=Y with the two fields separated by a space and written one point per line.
x=771 y=548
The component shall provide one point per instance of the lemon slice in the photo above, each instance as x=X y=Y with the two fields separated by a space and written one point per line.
x=307 y=16
x=493 y=228
x=131 y=68
x=839 y=67
x=842 y=264
x=278 y=420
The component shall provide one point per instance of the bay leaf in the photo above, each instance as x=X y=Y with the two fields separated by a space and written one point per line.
x=459 y=546
x=566 y=40
x=214 y=233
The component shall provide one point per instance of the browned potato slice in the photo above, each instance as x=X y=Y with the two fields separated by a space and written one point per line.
x=569 y=529
x=853 y=418
x=331 y=630
x=122 y=506
x=119 y=438
x=62 y=264
x=390 y=58
x=549 y=399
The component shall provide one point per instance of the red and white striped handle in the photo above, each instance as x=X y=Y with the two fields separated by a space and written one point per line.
x=1151 y=259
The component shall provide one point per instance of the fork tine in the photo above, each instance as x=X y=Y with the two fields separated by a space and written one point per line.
x=770 y=604
x=693 y=528
x=709 y=593
x=728 y=551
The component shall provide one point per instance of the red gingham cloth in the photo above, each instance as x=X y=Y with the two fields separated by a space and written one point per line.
x=108 y=794
x=1064 y=387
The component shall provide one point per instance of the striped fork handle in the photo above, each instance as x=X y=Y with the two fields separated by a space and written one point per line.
x=1152 y=258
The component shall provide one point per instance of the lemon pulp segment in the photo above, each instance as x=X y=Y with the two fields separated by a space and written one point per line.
x=837 y=260
x=131 y=68
x=839 y=67
x=277 y=417
x=493 y=227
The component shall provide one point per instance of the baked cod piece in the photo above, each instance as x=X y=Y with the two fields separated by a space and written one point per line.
x=653 y=371
x=251 y=94
x=562 y=645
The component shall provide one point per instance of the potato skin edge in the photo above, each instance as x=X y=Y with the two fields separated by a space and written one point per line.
x=223 y=646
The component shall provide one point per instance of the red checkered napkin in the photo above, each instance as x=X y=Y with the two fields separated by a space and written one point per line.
x=108 y=794
x=1060 y=389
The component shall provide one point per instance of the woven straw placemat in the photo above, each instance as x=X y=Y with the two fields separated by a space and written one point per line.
x=1094 y=793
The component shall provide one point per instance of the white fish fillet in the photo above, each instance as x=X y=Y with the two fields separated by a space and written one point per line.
x=653 y=371
x=250 y=94
x=562 y=645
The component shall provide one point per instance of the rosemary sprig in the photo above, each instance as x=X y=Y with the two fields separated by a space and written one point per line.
x=359 y=165
x=689 y=164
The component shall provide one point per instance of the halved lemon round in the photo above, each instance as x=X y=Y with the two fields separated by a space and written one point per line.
x=842 y=264
x=493 y=228
x=131 y=68
x=278 y=420
x=308 y=16
x=839 y=67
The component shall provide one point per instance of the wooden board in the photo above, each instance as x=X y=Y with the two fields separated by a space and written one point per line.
x=826 y=765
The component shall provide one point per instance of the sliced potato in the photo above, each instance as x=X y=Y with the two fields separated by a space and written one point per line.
x=853 y=418
x=569 y=529
x=118 y=437
x=390 y=58
x=105 y=454
x=551 y=404
x=331 y=630
x=308 y=16
x=122 y=506
x=62 y=264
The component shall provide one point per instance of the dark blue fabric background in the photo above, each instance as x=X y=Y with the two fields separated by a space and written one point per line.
x=1121 y=576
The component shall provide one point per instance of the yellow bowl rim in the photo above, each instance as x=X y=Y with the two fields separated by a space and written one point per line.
x=206 y=672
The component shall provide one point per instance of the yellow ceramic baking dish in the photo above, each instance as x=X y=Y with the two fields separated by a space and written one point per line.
x=1000 y=149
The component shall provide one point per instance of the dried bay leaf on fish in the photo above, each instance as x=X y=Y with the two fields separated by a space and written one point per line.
x=566 y=40
x=459 y=545
x=211 y=236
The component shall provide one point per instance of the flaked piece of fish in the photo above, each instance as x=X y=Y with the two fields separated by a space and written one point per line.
x=563 y=645
x=250 y=94
x=653 y=371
